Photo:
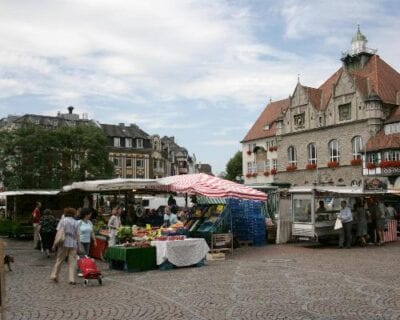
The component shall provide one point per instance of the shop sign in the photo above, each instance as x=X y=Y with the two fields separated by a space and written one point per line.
x=375 y=185
x=389 y=171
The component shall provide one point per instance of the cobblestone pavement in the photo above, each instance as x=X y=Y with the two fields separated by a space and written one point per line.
x=294 y=281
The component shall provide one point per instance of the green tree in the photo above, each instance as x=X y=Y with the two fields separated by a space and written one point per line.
x=36 y=157
x=234 y=167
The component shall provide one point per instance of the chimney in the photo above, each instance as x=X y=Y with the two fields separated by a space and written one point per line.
x=70 y=109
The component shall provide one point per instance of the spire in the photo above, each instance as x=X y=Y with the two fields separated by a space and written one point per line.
x=358 y=42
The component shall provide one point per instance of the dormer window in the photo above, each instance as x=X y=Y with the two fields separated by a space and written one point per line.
x=128 y=142
x=117 y=141
x=392 y=128
x=139 y=143
x=266 y=127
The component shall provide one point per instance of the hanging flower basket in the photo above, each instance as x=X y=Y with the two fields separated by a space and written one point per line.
x=248 y=175
x=266 y=173
x=273 y=172
x=355 y=162
x=291 y=168
x=386 y=164
x=248 y=152
x=271 y=149
x=254 y=174
x=311 y=166
x=333 y=164
x=371 y=165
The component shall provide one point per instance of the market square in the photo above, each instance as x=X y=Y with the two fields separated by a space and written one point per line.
x=294 y=281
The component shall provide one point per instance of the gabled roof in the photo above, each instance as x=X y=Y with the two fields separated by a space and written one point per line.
x=383 y=79
x=375 y=78
x=132 y=131
x=267 y=117
x=326 y=89
x=382 y=141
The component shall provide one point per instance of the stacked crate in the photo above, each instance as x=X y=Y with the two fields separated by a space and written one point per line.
x=247 y=221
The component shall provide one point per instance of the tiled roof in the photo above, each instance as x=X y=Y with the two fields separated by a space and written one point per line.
x=375 y=77
x=326 y=89
x=383 y=141
x=383 y=79
x=267 y=117
x=394 y=116
x=132 y=131
x=314 y=96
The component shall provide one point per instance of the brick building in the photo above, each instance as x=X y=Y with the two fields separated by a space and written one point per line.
x=329 y=134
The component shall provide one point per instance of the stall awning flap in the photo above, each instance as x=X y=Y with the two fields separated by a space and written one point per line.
x=210 y=186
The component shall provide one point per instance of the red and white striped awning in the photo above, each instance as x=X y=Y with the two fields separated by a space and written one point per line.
x=210 y=186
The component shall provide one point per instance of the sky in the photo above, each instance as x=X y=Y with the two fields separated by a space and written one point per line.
x=201 y=71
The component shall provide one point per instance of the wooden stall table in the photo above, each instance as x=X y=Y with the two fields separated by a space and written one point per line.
x=180 y=253
x=131 y=259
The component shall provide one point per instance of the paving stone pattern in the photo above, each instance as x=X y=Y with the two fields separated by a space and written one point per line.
x=293 y=281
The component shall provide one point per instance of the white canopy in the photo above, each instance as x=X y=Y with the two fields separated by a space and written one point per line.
x=110 y=185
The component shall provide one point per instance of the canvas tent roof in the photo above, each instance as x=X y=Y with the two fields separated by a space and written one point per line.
x=110 y=185
x=210 y=186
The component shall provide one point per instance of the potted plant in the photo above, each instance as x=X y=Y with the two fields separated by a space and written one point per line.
x=311 y=166
x=248 y=152
x=254 y=174
x=273 y=171
x=266 y=173
x=271 y=149
x=333 y=164
x=291 y=167
x=355 y=162
x=387 y=163
x=275 y=148
x=248 y=175
x=371 y=165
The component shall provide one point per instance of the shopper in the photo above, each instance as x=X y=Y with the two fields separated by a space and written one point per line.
x=380 y=223
x=48 y=229
x=69 y=247
x=113 y=224
x=36 y=224
x=360 y=209
x=347 y=220
x=86 y=233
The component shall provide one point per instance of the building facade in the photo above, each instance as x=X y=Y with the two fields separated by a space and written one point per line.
x=330 y=134
x=130 y=150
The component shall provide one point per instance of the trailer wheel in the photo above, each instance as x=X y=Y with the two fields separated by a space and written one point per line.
x=85 y=282
x=100 y=280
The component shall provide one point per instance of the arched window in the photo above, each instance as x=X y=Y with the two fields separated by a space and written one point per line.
x=312 y=153
x=356 y=147
x=334 y=155
x=292 y=158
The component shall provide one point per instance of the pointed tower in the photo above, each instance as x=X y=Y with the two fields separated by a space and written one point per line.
x=357 y=57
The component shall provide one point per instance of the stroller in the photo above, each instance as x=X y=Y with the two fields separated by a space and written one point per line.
x=89 y=270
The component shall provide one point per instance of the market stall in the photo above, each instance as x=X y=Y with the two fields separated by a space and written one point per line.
x=228 y=201
x=312 y=223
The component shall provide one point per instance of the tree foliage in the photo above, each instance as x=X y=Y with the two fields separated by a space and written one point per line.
x=234 y=167
x=36 y=157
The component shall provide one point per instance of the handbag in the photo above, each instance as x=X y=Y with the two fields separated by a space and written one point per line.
x=59 y=239
x=338 y=224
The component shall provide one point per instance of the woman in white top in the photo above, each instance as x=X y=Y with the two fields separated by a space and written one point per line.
x=86 y=234
x=113 y=224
